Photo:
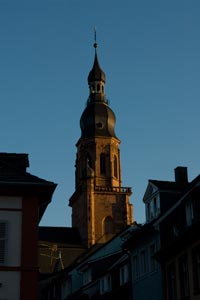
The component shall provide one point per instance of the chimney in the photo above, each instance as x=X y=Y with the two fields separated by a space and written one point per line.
x=181 y=175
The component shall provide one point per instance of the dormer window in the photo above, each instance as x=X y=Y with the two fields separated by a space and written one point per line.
x=148 y=211
x=152 y=208
x=189 y=213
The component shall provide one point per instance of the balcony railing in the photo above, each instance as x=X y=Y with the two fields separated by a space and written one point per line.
x=126 y=190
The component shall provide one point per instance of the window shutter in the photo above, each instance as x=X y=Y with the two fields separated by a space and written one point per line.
x=3 y=234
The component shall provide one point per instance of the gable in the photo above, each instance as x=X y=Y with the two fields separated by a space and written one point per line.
x=150 y=190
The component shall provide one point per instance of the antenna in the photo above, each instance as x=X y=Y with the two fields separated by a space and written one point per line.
x=54 y=254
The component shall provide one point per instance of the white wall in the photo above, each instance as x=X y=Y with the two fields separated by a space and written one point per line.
x=14 y=223
x=11 y=213
x=10 y=288
x=10 y=202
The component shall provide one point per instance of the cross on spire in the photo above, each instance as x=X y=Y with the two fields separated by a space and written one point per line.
x=95 y=38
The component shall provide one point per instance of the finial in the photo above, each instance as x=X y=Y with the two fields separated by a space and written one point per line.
x=95 y=38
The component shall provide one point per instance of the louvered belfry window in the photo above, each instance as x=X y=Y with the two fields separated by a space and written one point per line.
x=3 y=238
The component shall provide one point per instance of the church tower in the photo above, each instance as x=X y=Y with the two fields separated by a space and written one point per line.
x=100 y=205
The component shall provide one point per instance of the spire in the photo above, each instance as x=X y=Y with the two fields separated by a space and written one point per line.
x=96 y=78
x=97 y=119
x=95 y=39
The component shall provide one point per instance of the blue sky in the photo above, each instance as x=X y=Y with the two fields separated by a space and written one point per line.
x=150 y=52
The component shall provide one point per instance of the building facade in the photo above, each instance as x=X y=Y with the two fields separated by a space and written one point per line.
x=179 y=254
x=23 y=200
x=158 y=260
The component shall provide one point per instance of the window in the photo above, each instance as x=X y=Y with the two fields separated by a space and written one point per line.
x=152 y=250
x=189 y=213
x=103 y=163
x=171 y=282
x=108 y=225
x=3 y=241
x=196 y=208
x=105 y=284
x=148 y=212
x=68 y=286
x=124 y=274
x=87 y=276
x=143 y=262
x=184 y=277
x=152 y=208
x=115 y=167
x=196 y=269
x=135 y=267
x=155 y=206
x=89 y=161
x=102 y=288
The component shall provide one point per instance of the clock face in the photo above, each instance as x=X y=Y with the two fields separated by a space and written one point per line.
x=99 y=125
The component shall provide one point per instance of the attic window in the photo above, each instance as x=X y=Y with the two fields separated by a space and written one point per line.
x=148 y=211
x=189 y=213
x=152 y=208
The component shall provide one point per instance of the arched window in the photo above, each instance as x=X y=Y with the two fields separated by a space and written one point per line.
x=98 y=87
x=115 y=167
x=108 y=225
x=89 y=161
x=93 y=88
x=102 y=163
